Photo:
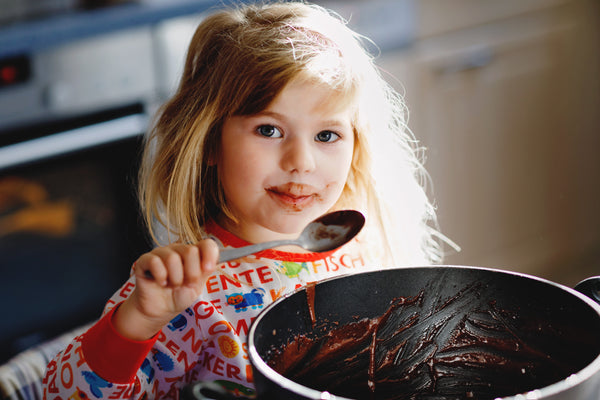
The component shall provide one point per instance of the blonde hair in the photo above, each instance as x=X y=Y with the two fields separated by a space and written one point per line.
x=238 y=61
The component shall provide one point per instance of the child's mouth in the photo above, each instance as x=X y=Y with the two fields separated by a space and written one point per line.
x=293 y=196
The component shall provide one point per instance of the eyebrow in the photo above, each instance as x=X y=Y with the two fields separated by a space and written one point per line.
x=328 y=122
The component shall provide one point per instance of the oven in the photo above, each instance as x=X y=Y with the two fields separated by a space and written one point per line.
x=72 y=119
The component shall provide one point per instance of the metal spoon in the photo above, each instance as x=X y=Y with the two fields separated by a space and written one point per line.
x=327 y=232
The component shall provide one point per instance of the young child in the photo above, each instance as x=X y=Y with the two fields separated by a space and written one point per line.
x=280 y=117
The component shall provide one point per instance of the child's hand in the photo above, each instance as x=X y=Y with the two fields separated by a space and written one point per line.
x=178 y=273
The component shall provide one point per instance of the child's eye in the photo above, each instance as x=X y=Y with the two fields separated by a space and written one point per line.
x=327 y=136
x=269 y=131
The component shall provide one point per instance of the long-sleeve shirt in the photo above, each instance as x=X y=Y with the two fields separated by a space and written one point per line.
x=206 y=342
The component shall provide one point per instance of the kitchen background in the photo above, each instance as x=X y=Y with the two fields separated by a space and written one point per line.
x=504 y=96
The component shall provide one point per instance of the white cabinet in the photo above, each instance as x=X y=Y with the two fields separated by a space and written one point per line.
x=507 y=107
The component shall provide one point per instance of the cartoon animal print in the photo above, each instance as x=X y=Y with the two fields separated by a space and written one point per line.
x=163 y=361
x=292 y=269
x=241 y=301
x=148 y=370
x=180 y=321
x=95 y=382
x=78 y=395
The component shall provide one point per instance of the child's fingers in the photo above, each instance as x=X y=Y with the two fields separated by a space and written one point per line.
x=179 y=264
x=209 y=255
x=151 y=266
x=197 y=262
x=190 y=257
x=172 y=257
x=165 y=265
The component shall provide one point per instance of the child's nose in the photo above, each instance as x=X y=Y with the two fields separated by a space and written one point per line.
x=298 y=156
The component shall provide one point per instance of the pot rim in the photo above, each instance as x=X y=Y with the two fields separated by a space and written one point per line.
x=555 y=388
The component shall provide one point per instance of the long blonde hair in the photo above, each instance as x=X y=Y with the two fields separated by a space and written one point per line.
x=238 y=61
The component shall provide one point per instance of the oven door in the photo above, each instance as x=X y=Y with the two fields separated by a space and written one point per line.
x=69 y=223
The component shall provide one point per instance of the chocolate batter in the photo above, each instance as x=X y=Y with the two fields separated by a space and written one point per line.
x=310 y=300
x=426 y=347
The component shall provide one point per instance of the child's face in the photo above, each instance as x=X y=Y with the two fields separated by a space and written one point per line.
x=285 y=166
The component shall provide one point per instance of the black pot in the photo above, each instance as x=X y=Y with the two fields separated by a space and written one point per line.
x=440 y=332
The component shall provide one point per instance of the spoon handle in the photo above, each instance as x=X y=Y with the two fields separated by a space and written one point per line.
x=239 y=252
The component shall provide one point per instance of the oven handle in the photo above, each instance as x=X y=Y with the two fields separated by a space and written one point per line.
x=73 y=140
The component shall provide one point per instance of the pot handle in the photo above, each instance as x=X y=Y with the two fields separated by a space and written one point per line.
x=590 y=287
x=206 y=391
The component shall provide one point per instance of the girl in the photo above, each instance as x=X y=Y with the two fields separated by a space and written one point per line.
x=280 y=117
